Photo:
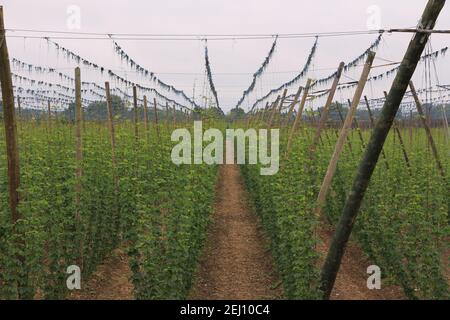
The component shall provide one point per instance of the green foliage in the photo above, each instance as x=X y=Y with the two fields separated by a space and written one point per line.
x=403 y=223
x=158 y=211
x=285 y=202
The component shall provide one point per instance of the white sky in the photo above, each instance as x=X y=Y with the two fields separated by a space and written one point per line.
x=223 y=17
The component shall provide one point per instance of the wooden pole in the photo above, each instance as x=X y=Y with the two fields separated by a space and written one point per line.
x=291 y=108
x=78 y=141
x=298 y=117
x=373 y=150
x=136 y=116
x=326 y=108
x=9 y=119
x=343 y=135
x=19 y=108
x=156 y=117
x=427 y=130
x=49 y=114
x=146 y=127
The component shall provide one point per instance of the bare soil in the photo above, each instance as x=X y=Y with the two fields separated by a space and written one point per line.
x=351 y=281
x=111 y=281
x=236 y=263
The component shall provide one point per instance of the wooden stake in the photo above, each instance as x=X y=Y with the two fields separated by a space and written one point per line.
x=343 y=135
x=373 y=150
x=136 y=116
x=292 y=107
x=146 y=127
x=78 y=141
x=9 y=119
x=156 y=117
x=49 y=114
x=326 y=108
x=19 y=108
x=298 y=117
x=427 y=130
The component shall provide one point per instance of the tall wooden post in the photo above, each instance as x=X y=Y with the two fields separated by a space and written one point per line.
x=78 y=141
x=136 y=116
x=343 y=135
x=427 y=130
x=292 y=106
x=49 y=114
x=19 y=107
x=156 y=117
x=373 y=150
x=326 y=108
x=298 y=117
x=12 y=151
x=146 y=128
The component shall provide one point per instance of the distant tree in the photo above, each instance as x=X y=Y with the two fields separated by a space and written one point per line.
x=236 y=114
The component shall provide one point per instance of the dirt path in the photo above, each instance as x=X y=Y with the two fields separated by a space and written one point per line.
x=236 y=263
x=351 y=281
x=111 y=281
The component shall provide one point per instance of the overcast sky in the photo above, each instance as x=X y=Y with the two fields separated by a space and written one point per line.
x=233 y=61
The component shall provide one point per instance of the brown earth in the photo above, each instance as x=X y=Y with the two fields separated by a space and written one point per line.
x=236 y=263
x=352 y=276
x=111 y=281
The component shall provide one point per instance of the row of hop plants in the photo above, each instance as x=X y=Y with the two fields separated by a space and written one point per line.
x=170 y=226
x=284 y=203
x=402 y=226
x=157 y=211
